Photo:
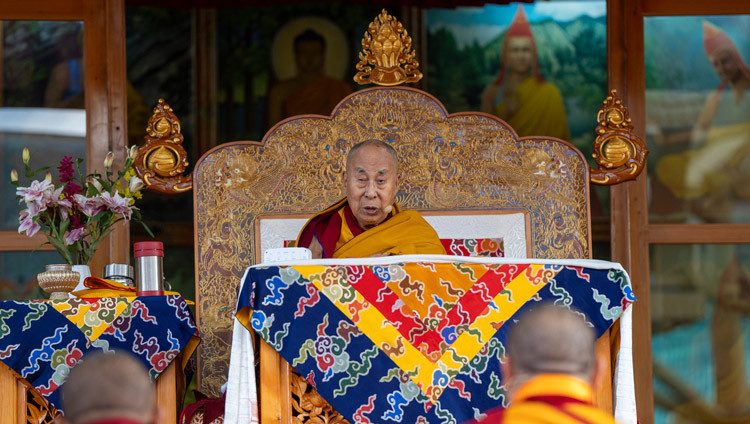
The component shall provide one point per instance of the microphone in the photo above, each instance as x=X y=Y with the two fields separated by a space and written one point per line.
x=388 y=209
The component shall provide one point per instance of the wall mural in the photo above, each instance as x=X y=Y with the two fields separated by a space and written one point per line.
x=516 y=60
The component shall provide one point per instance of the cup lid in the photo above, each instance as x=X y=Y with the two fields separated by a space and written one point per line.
x=118 y=270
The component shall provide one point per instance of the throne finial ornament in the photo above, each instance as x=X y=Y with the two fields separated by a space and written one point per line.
x=387 y=57
x=620 y=154
x=162 y=160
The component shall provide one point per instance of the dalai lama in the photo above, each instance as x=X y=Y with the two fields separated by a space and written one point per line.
x=368 y=222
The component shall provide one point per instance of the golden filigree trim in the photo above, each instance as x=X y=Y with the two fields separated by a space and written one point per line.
x=308 y=406
x=387 y=57
x=162 y=160
x=38 y=410
x=620 y=154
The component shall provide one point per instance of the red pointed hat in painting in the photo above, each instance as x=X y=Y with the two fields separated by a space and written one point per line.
x=716 y=40
x=519 y=27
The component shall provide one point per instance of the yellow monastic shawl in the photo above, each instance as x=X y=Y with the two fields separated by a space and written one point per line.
x=404 y=233
x=541 y=110
x=695 y=173
x=548 y=399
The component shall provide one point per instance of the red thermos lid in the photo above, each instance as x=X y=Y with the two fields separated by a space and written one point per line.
x=148 y=248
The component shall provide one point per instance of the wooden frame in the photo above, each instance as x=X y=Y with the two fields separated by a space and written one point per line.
x=106 y=130
x=104 y=84
x=631 y=232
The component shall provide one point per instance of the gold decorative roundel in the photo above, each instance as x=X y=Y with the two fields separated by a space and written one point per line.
x=616 y=150
x=615 y=116
x=162 y=160
x=162 y=127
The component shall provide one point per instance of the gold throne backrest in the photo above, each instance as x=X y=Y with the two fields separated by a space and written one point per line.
x=466 y=161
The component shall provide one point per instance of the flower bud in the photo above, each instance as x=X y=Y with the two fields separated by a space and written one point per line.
x=14 y=176
x=135 y=184
x=26 y=155
x=48 y=177
x=133 y=152
x=108 y=160
x=97 y=185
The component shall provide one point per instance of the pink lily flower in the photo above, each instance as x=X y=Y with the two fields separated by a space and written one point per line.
x=74 y=235
x=53 y=199
x=118 y=204
x=35 y=192
x=27 y=224
x=90 y=206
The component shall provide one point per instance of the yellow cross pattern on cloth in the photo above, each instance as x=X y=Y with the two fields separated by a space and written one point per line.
x=430 y=374
x=93 y=318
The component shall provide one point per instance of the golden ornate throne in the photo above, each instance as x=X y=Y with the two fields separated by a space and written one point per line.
x=463 y=163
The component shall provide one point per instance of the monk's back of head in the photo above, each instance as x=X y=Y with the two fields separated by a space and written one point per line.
x=108 y=386
x=551 y=340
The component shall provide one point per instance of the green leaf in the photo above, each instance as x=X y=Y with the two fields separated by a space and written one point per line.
x=148 y=230
x=99 y=216
x=61 y=248
x=64 y=226
x=42 y=169
x=106 y=184
x=101 y=237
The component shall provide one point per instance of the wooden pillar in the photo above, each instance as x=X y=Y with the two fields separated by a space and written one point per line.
x=10 y=404
x=274 y=402
x=628 y=202
x=206 y=85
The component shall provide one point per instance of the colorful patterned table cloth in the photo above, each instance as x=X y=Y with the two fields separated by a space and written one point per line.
x=42 y=340
x=415 y=339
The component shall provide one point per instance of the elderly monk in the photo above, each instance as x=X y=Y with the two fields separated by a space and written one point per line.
x=368 y=222
x=109 y=388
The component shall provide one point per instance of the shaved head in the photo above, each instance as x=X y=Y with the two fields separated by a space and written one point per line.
x=551 y=339
x=106 y=385
x=372 y=143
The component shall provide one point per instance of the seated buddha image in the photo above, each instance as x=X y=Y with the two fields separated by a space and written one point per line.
x=310 y=90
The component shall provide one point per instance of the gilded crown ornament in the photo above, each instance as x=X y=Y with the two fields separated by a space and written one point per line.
x=387 y=57
x=162 y=160
x=620 y=154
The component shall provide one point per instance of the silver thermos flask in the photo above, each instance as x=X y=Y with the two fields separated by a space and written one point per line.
x=149 y=271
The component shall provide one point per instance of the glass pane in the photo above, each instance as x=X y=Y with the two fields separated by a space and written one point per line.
x=698 y=118
x=41 y=101
x=18 y=272
x=700 y=311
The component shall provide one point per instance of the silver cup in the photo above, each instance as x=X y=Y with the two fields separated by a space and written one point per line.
x=122 y=273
